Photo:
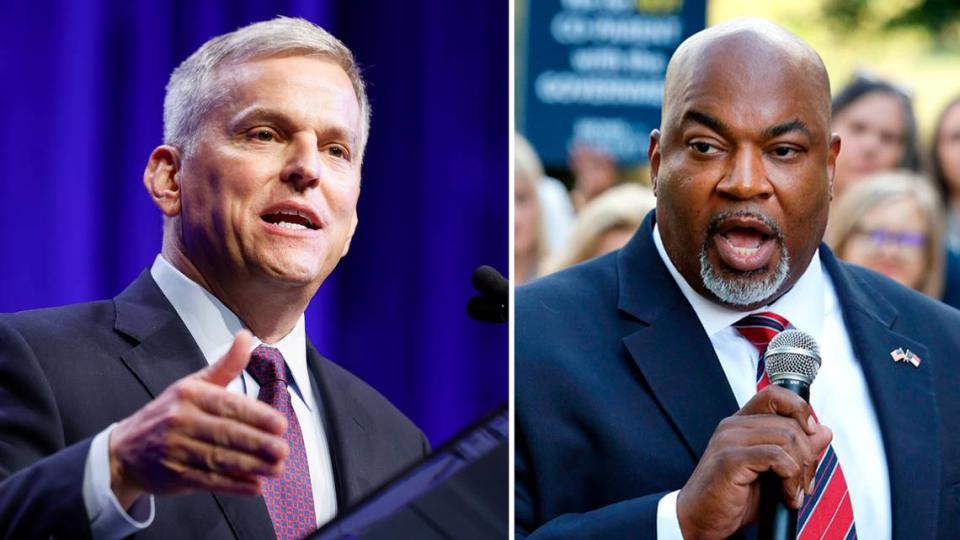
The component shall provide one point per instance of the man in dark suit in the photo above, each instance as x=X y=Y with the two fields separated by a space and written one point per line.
x=637 y=374
x=167 y=410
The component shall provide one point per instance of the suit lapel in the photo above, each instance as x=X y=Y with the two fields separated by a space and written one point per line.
x=903 y=398
x=164 y=352
x=346 y=436
x=672 y=350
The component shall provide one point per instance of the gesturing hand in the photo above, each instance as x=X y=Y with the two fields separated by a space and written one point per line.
x=196 y=435
x=775 y=432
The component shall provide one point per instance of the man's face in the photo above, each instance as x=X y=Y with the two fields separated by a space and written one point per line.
x=742 y=176
x=270 y=192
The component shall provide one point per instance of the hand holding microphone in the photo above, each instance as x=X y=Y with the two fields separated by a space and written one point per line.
x=775 y=431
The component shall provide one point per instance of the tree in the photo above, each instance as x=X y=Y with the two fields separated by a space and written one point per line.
x=939 y=18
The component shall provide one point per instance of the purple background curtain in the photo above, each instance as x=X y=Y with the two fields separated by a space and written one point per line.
x=81 y=109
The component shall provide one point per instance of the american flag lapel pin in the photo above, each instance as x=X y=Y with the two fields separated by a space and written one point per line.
x=899 y=355
x=912 y=358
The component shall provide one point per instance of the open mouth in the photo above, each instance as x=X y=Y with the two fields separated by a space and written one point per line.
x=290 y=219
x=743 y=241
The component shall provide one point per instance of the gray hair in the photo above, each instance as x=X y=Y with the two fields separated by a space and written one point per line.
x=190 y=94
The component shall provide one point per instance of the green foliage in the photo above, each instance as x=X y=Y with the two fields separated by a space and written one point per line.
x=846 y=15
x=940 y=19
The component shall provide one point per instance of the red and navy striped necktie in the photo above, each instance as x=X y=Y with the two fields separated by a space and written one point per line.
x=827 y=514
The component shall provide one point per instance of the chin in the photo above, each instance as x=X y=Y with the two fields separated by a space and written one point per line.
x=744 y=288
x=293 y=271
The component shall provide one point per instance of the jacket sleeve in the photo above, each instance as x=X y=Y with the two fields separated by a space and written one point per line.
x=41 y=479
x=628 y=519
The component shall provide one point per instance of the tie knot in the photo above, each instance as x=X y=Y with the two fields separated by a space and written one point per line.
x=267 y=366
x=760 y=328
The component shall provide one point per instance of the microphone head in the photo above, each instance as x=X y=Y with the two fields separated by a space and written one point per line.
x=491 y=283
x=792 y=354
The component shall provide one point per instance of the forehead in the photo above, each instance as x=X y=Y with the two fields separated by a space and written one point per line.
x=951 y=120
x=878 y=106
x=750 y=89
x=908 y=212
x=311 y=90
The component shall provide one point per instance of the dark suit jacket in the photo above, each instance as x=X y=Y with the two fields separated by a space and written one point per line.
x=951 y=279
x=67 y=373
x=618 y=391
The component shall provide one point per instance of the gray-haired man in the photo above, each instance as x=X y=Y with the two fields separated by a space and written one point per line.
x=166 y=410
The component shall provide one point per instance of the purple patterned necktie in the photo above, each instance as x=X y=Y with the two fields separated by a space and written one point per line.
x=289 y=497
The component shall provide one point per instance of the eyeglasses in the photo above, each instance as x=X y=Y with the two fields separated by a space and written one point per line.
x=899 y=239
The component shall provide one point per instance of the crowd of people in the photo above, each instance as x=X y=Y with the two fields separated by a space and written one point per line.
x=895 y=209
x=555 y=228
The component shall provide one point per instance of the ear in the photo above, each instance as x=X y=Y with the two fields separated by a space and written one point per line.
x=832 y=153
x=653 y=156
x=162 y=179
x=353 y=229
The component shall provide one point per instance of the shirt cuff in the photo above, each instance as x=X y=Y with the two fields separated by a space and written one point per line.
x=668 y=523
x=109 y=520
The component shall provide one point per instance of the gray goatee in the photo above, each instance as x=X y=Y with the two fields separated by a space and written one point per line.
x=743 y=288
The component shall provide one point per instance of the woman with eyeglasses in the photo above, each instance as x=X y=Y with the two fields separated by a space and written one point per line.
x=892 y=223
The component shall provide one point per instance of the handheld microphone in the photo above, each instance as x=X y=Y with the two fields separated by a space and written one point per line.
x=494 y=289
x=792 y=361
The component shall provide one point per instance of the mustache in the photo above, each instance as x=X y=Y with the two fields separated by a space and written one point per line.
x=714 y=226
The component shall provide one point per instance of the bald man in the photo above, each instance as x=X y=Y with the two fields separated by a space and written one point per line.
x=642 y=406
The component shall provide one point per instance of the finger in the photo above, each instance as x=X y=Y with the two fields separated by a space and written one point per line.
x=780 y=401
x=766 y=430
x=818 y=443
x=197 y=479
x=229 y=433
x=219 y=402
x=203 y=456
x=769 y=429
x=763 y=458
x=230 y=365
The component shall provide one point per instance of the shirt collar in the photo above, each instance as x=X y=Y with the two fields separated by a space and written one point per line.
x=212 y=325
x=803 y=305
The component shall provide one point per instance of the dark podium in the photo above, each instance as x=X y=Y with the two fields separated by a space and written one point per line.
x=461 y=492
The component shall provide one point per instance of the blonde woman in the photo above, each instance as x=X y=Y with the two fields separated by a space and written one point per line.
x=604 y=224
x=892 y=223
x=529 y=244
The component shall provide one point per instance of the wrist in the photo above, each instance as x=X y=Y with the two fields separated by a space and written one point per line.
x=126 y=491
x=687 y=520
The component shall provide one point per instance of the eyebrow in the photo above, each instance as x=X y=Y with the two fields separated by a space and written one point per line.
x=768 y=133
x=265 y=114
x=706 y=120
x=787 y=127
x=258 y=113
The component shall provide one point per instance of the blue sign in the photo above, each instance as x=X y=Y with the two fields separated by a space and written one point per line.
x=594 y=72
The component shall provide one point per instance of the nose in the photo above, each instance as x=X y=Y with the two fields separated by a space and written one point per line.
x=889 y=250
x=747 y=177
x=302 y=168
x=871 y=144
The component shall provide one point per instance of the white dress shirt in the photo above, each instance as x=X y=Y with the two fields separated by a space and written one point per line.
x=839 y=395
x=213 y=327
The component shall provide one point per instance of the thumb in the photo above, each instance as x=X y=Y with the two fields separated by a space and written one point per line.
x=230 y=365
